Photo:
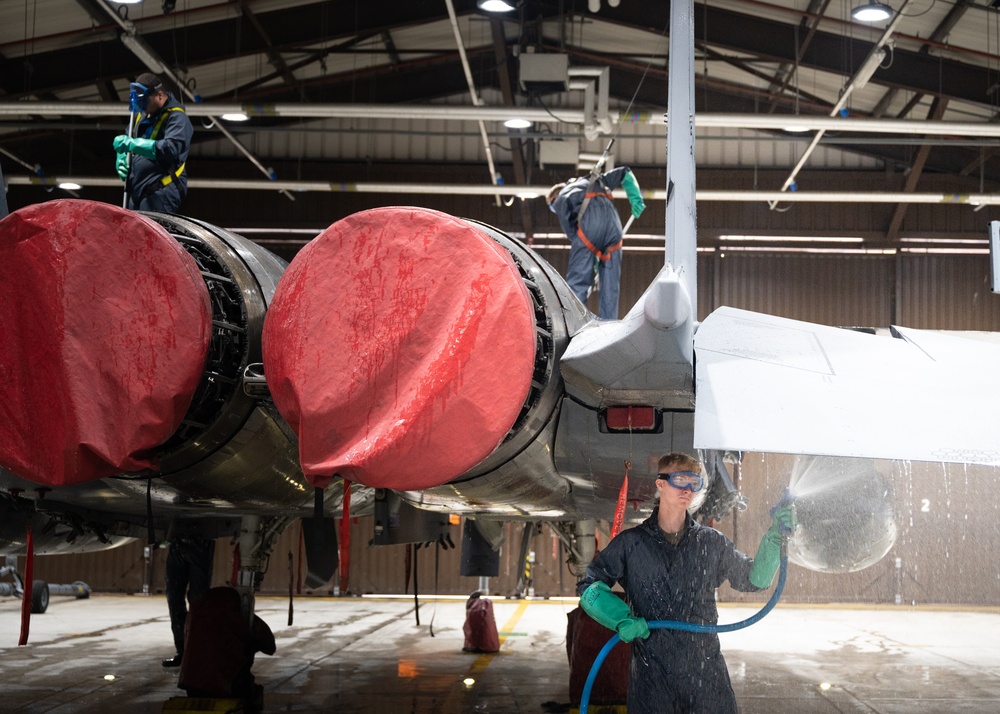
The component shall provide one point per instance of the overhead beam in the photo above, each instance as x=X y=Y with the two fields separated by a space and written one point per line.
x=449 y=112
x=273 y=56
x=502 y=57
x=913 y=177
x=532 y=192
x=938 y=35
x=299 y=27
x=774 y=40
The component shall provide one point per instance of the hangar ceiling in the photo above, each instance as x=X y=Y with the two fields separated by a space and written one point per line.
x=393 y=97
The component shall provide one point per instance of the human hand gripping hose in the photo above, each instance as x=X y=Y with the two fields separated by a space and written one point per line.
x=629 y=627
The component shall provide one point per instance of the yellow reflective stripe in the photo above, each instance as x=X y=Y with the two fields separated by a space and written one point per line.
x=166 y=180
x=163 y=118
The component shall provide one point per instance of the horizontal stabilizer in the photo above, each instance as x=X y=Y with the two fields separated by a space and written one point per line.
x=769 y=384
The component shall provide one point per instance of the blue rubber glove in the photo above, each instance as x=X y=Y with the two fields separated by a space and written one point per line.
x=631 y=187
x=611 y=611
x=768 y=558
x=121 y=166
x=143 y=147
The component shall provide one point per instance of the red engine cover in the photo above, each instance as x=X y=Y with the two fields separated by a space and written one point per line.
x=105 y=329
x=400 y=346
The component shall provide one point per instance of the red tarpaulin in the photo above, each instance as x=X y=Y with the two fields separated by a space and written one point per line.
x=105 y=326
x=400 y=346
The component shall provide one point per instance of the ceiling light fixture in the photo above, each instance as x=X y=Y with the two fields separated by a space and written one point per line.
x=874 y=11
x=495 y=5
x=517 y=123
x=69 y=186
x=236 y=116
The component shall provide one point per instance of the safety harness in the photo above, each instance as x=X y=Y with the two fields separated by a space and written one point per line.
x=154 y=134
x=600 y=255
x=593 y=182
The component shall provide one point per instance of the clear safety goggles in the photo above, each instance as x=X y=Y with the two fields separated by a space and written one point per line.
x=684 y=480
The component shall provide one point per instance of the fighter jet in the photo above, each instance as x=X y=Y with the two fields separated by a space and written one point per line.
x=160 y=369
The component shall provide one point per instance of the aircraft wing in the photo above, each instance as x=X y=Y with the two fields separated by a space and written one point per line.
x=771 y=384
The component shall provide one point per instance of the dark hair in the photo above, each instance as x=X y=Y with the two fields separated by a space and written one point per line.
x=150 y=80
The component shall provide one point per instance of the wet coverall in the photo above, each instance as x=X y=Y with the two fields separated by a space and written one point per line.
x=160 y=184
x=674 y=672
x=602 y=228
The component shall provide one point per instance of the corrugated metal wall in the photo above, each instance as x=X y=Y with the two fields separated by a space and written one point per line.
x=948 y=516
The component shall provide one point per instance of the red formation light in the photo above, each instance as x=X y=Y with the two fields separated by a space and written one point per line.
x=105 y=329
x=400 y=346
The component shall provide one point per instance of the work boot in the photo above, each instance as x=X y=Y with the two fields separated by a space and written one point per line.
x=174 y=661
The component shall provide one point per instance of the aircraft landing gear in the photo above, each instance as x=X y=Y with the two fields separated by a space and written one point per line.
x=41 y=591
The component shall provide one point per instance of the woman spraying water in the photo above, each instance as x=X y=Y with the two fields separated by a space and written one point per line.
x=669 y=567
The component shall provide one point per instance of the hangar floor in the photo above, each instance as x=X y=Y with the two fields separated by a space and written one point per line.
x=368 y=655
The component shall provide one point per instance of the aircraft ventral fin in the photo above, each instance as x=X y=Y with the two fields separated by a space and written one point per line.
x=770 y=384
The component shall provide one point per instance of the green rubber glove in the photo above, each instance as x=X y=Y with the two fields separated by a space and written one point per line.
x=611 y=611
x=768 y=558
x=634 y=194
x=142 y=147
x=121 y=166
x=633 y=627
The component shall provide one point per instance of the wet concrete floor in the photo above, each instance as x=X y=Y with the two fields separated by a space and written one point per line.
x=369 y=655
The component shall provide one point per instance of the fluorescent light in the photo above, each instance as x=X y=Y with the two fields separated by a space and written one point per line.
x=528 y=194
x=236 y=116
x=517 y=123
x=796 y=129
x=872 y=12
x=834 y=251
x=793 y=239
x=495 y=5
x=947 y=251
x=69 y=186
x=965 y=241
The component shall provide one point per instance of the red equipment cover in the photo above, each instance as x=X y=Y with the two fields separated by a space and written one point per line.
x=480 y=626
x=105 y=329
x=219 y=646
x=585 y=638
x=400 y=346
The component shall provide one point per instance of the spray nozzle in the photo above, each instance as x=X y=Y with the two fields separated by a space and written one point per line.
x=786 y=504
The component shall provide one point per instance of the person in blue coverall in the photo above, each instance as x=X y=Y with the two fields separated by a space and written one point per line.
x=153 y=161
x=669 y=567
x=597 y=237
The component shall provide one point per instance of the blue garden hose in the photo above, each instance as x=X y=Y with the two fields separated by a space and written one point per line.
x=687 y=627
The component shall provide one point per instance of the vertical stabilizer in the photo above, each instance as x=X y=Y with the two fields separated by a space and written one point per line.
x=647 y=358
x=681 y=232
